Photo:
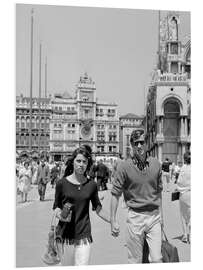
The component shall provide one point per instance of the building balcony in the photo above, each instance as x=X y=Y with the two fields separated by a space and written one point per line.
x=111 y=114
x=70 y=112
x=170 y=77
x=173 y=58
x=101 y=140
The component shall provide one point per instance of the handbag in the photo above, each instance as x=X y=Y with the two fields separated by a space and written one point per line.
x=169 y=252
x=175 y=196
x=51 y=255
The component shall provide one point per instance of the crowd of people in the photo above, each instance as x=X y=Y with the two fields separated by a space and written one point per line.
x=139 y=179
x=38 y=172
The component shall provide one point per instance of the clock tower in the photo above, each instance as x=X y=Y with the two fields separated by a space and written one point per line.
x=86 y=107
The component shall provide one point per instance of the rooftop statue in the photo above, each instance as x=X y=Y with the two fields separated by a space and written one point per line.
x=173 y=29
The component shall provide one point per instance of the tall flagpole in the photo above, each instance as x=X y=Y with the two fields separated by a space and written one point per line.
x=159 y=60
x=31 y=81
x=40 y=95
x=46 y=78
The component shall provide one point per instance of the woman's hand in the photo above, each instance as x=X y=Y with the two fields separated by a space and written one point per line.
x=58 y=215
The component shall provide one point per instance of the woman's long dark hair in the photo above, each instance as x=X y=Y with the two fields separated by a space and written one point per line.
x=69 y=164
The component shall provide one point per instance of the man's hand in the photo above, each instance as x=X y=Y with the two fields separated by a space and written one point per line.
x=115 y=229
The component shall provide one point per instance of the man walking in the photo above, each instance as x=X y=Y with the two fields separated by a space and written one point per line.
x=139 y=179
x=55 y=174
x=102 y=175
x=42 y=178
x=166 y=175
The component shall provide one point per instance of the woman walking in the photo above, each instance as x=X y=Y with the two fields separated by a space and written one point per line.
x=183 y=186
x=24 y=185
x=78 y=190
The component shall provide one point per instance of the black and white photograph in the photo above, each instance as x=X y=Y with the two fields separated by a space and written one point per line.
x=102 y=135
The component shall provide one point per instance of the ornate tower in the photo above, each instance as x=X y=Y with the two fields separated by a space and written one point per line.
x=173 y=45
x=169 y=45
x=86 y=105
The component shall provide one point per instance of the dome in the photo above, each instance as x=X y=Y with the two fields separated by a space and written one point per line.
x=66 y=95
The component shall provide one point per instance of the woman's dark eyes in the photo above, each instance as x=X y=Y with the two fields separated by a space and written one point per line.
x=78 y=160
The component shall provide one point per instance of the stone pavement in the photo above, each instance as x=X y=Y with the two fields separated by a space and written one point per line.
x=33 y=195
x=33 y=221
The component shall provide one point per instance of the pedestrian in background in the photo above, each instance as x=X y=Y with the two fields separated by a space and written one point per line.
x=102 y=174
x=24 y=181
x=139 y=179
x=78 y=190
x=34 y=168
x=166 y=175
x=184 y=187
x=177 y=170
x=43 y=176
x=62 y=169
x=55 y=174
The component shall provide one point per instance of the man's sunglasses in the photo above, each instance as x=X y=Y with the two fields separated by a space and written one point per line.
x=138 y=142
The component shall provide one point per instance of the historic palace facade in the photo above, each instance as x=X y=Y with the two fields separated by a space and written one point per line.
x=83 y=120
x=128 y=123
x=41 y=114
x=168 y=100
x=61 y=123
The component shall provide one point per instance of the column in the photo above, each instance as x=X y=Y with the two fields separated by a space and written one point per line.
x=106 y=139
x=160 y=152
x=162 y=125
x=179 y=49
x=182 y=127
x=183 y=149
x=186 y=133
x=179 y=67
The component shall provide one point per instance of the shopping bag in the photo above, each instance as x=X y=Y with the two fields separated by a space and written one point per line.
x=175 y=196
x=51 y=255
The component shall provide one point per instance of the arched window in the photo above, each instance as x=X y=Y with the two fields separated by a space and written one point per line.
x=33 y=122
x=171 y=115
x=27 y=122
x=42 y=122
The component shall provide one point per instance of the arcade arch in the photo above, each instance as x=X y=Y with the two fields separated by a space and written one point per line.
x=171 y=129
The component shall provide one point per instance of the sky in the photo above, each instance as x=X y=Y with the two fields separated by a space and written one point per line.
x=116 y=47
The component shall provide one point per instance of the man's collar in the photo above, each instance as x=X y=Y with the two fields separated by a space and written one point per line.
x=135 y=161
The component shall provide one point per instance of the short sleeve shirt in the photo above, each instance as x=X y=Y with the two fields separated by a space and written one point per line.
x=80 y=196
